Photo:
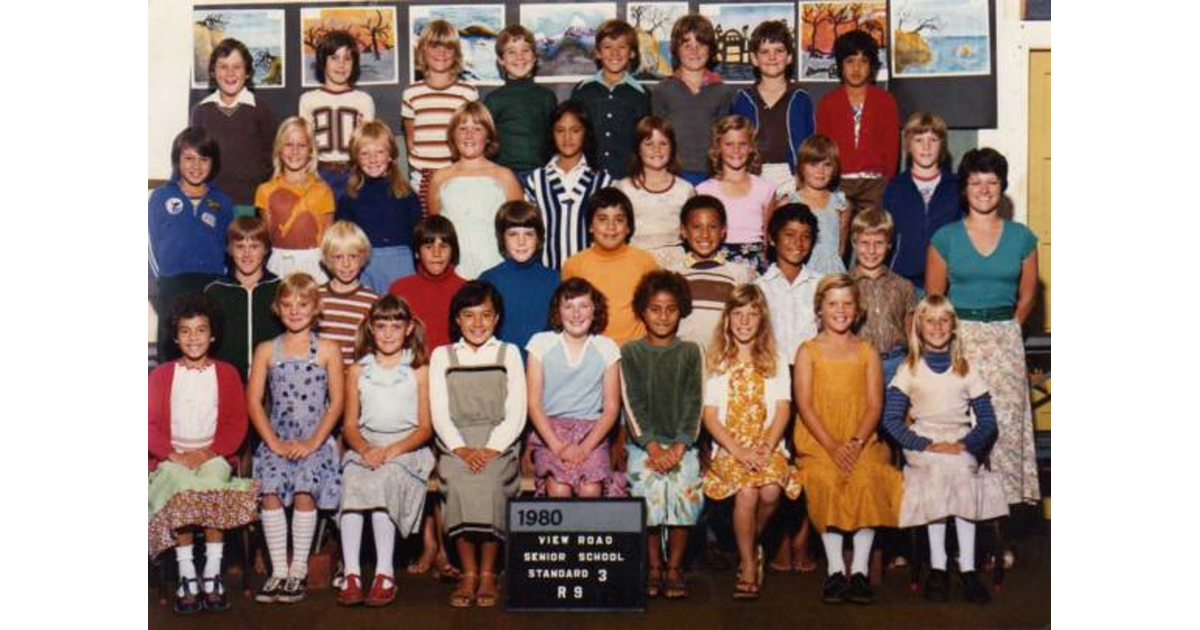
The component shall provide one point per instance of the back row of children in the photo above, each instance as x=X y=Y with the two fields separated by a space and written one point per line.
x=572 y=389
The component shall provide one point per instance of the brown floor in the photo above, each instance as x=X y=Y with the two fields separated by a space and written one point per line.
x=789 y=601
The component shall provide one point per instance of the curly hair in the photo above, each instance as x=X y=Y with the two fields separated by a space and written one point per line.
x=662 y=281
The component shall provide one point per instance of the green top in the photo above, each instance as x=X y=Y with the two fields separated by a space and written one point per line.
x=662 y=391
x=521 y=110
x=977 y=281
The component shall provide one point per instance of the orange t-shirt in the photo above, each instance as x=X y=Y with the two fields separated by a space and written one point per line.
x=295 y=214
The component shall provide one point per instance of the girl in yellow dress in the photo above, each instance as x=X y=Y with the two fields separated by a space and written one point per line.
x=850 y=485
x=746 y=406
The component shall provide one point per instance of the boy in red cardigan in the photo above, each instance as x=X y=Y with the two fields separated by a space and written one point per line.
x=197 y=416
x=863 y=120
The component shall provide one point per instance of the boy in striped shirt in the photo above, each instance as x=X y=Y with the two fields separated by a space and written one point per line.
x=344 y=301
x=427 y=105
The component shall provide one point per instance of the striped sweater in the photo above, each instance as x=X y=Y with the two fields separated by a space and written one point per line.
x=430 y=110
x=341 y=313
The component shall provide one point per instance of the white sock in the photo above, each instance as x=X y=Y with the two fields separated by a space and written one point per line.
x=304 y=526
x=212 y=559
x=862 y=550
x=352 y=524
x=385 y=542
x=966 y=544
x=275 y=529
x=833 y=552
x=187 y=566
x=937 y=545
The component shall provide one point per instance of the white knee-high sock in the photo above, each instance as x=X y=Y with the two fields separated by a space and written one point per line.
x=275 y=529
x=833 y=551
x=937 y=545
x=966 y=543
x=862 y=550
x=385 y=542
x=186 y=560
x=304 y=525
x=212 y=559
x=352 y=525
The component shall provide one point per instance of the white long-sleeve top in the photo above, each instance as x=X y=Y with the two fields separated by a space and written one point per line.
x=509 y=430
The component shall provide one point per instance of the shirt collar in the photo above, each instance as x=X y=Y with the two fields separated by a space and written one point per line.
x=581 y=165
x=492 y=342
x=858 y=275
x=773 y=272
x=245 y=97
x=626 y=79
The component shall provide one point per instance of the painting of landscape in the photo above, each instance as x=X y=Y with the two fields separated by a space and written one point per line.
x=566 y=37
x=939 y=38
x=261 y=30
x=653 y=21
x=822 y=22
x=375 y=29
x=734 y=23
x=477 y=24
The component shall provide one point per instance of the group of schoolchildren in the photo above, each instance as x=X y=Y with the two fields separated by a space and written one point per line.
x=660 y=282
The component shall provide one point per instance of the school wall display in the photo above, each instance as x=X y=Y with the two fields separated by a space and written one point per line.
x=373 y=26
x=734 y=23
x=940 y=38
x=566 y=37
x=478 y=26
x=261 y=30
x=822 y=22
x=653 y=21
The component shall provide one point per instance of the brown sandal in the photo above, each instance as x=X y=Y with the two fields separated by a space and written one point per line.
x=675 y=588
x=486 y=596
x=654 y=582
x=463 y=595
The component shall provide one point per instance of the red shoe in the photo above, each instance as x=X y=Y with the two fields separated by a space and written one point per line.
x=383 y=591
x=351 y=593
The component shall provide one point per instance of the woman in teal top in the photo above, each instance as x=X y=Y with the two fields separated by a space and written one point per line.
x=990 y=265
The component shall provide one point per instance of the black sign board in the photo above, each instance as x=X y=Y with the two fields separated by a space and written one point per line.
x=576 y=555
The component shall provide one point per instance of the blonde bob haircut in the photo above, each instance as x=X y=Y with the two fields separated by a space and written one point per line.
x=934 y=305
x=873 y=221
x=376 y=131
x=722 y=350
x=832 y=282
x=439 y=33
x=475 y=111
x=344 y=236
x=301 y=285
x=924 y=122
x=814 y=150
x=724 y=126
x=294 y=123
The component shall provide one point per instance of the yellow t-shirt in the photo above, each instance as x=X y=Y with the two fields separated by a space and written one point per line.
x=295 y=215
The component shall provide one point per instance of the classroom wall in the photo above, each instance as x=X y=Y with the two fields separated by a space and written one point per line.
x=169 y=59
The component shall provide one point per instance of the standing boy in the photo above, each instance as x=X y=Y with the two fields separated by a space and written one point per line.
x=613 y=99
x=887 y=299
x=521 y=108
x=246 y=294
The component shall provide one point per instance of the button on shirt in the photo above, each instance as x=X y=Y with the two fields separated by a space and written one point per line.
x=792 y=317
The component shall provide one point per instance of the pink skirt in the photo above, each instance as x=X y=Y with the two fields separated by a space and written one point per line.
x=597 y=468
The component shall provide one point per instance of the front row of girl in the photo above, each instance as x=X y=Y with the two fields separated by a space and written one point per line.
x=472 y=395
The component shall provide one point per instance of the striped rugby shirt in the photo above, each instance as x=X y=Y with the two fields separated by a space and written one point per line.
x=430 y=109
x=341 y=313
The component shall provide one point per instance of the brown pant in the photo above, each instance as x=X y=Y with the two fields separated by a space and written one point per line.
x=863 y=193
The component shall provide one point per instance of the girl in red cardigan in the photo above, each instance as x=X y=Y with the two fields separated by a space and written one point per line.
x=197 y=422
x=863 y=120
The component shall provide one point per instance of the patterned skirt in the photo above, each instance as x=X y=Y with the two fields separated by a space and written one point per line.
x=398 y=486
x=997 y=350
x=318 y=475
x=674 y=498
x=597 y=468
x=208 y=497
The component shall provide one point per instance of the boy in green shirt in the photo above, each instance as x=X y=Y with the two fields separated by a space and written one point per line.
x=521 y=108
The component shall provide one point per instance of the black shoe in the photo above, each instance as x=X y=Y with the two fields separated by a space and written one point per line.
x=860 y=590
x=294 y=590
x=834 y=590
x=214 y=597
x=973 y=590
x=937 y=586
x=269 y=593
x=187 y=602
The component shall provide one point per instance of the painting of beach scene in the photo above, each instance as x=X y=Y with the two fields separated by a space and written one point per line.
x=653 y=22
x=478 y=26
x=261 y=30
x=373 y=26
x=566 y=37
x=940 y=38
x=734 y=23
x=822 y=22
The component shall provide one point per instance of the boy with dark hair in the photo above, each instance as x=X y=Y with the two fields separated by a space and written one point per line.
x=525 y=283
x=520 y=108
x=336 y=108
x=614 y=100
